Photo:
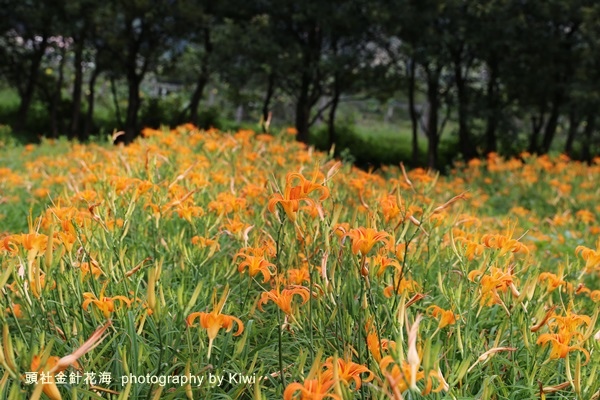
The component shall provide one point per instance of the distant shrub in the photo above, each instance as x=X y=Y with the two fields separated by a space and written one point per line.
x=161 y=111
x=210 y=117
x=7 y=138
x=366 y=149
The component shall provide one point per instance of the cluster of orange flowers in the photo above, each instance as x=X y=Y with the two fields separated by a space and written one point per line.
x=322 y=380
x=396 y=230
x=564 y=336
x=297 y=189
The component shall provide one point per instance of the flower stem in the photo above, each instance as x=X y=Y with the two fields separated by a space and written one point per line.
x=279 y=326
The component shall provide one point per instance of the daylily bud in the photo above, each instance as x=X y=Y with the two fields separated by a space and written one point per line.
x=413 y=355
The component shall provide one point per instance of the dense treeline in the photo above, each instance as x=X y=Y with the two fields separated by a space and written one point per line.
x=514 y=75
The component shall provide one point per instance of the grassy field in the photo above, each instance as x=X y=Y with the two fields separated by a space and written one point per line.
x=202 y=264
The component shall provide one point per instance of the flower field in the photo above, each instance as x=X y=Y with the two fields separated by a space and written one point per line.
x=202 y=264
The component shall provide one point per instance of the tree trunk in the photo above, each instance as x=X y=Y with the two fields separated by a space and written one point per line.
x=196 y=97
x=587 y=140
x=536 y=127
x=492 y=110
x=133 y=106
x=552 y=124
x=466 y=145
x=203 y=78
x=26 y=94
x=433 y=85
x=239 y=114
x=310 y=85
x=56 y=99
x=332 y=110
x=113 y=89
x=414 y=117
x=89 y=119
x=303 y=109
x=77 y=90
x=574 y=123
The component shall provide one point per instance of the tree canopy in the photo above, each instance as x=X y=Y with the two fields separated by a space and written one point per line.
x=512 y=75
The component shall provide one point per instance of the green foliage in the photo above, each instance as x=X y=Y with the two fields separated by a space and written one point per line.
x=209 y=117
x=7 y=138
x=473 y=60
x=161 y=111
x=371 y=143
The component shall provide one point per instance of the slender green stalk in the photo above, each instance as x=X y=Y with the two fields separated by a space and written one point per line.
x=280 y=232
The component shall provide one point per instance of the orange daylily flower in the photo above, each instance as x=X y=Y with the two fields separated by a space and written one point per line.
x=236 y=227
x=382 y=263
x=68 y=238
x=569 y=322
x=347 y=371
x=204 y=241
x=311 y=389
x=214 y=320
x=436 y=220
x=212 y=244
x=445 y=317
x=400 y=250
x=585 y=216
x=363 y=239
x=255 y=262
x=88 y=196
x=340 y=230
x=581 y=289
x=375 y=344
x=407 y=285
x=188 y=212
x=16 y=310
x=391 y=209
x=473 y=249
x=227 y=203
x=254 y=192
x=565 y=331
x=316 y=386
x=36 y=363
x=294 y=193
x=552 y=280
x=151 y=132
x=290 y=201
x=34 y=243
x=284 y=298
x=92 y=268
x=49 y=386
x=497 y=280
x=268 y=246
x=103 y=303
x=297 y=276
x=10 y=245
x=504 y=242
x=560 y=344
x=591 y=257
